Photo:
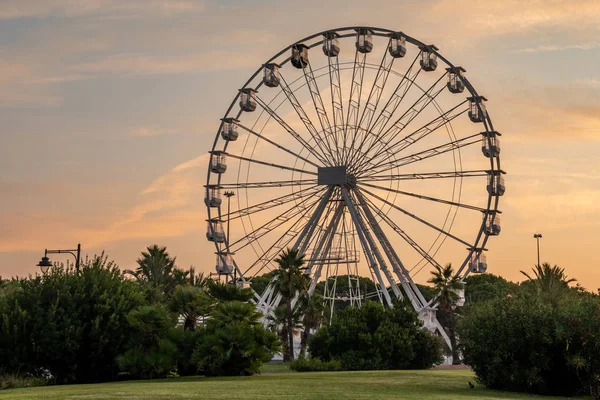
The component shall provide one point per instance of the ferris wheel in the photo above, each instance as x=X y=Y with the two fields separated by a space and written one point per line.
x=366 y=150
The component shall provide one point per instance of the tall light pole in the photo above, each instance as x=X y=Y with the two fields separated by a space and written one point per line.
x=229 y=195
x=538 y=236
x=45 y=263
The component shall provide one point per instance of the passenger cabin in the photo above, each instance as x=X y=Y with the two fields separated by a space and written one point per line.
x=229 y=130
x=248 y=99
x=214 y=231
x=477 y=111
x=478 y=262
x=224 y=265
x=495 y=185
x=271 y=77
x=490 y=144
x=397 y=48
x=364 y=40
x=331 y=44
x=455 y=83
x=428 y=58
x=213 y=196
x=299 y=55
x=218 y=162
x=492 y=225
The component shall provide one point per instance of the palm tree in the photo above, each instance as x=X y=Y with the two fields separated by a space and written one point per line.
x=446 y=284
x=313 y=310
x=155 y=266
x=228 y=292
x=548 y=279
x=277 y=322
x=190 y=303
x=290 y=279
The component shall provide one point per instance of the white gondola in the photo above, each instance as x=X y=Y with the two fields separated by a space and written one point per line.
x=299 y=55
x=478 y=263
x=492 y=225
x=428 y=58
x=229 y=130
x=271 y=77
x=397 y=46
x=224 y=264
x=364 y=40
x=455 y=83
x=213 y=196
x=490 y=144
x=331 y=44
x=477 y=111
x=495 y=185
x=248 y=100
x=214 y=231
x=218 y=162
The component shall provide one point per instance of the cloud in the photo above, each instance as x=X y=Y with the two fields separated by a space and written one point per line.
x=12 y=9
x=549 y=48
x=151 y=131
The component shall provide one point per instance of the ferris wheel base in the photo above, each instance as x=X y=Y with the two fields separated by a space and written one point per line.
x=431 y=323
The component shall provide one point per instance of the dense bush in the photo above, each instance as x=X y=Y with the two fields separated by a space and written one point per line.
x=374 y=337
x=71 y=326
x=234 y=341
x=150 y=353
x=310 y=364
x=526 y=343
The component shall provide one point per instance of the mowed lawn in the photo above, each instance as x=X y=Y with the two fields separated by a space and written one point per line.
x=277 y=382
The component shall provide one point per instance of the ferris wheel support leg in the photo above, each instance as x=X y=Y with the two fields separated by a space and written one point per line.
x=430 y=322
x=365 y=244
x=306 y=234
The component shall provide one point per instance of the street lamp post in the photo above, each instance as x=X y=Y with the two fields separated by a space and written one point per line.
x=538 y=236
x=229 y=195
x=45 y=263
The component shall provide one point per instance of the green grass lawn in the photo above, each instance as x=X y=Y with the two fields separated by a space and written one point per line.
x=278 y=382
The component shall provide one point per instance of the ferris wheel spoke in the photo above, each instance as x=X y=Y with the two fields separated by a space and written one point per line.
x=373 y=100
x=266 y=205
x=422 y=197
x=320 y=142
x=337 y=105
x=321 y=156
x=278 y=246
x=317 y=100
x=426 y=175
x=410 y=289
x=268 y=164
x=267 y=184
x=358 y=74
x=415 y=217
x=367 y=244
x=269 y=226
x=388 y=136
x=426 y=154
x=277 y=145
x=440 y=121
x=403 y=234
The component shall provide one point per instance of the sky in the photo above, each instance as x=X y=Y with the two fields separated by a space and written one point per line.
x=108 y=108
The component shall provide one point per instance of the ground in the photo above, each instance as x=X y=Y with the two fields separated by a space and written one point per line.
x=278 y=382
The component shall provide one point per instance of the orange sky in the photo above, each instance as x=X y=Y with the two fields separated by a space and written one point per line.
x=108 y=109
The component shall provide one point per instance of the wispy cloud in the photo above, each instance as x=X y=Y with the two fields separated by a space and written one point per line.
x=550 y=48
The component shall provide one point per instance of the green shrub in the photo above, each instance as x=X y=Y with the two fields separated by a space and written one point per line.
x=314 y=364
x=374 y=337
x=13 y=381
x=68 y=325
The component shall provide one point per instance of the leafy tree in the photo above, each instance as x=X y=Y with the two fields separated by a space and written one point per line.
x=70 y=325
x=261 y=282
x=290 y=280
x=484 y=287
x=234 y=341
x=374 y=337
x=151 y=353
x=446 y=285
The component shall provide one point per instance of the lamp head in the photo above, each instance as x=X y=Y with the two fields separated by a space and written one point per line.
x=44 y=264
